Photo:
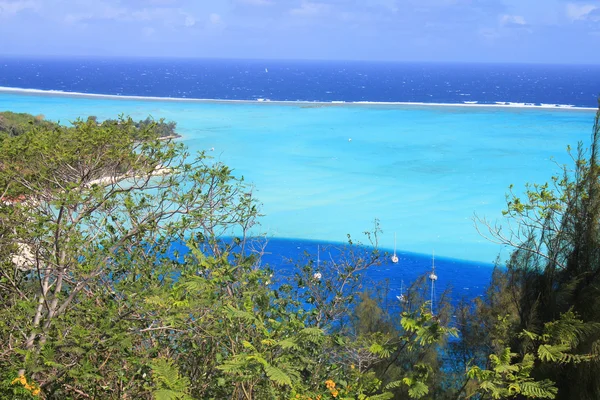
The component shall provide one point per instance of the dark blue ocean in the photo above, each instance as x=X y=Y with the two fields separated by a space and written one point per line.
x=310 y=80
x=546 y=85
x=459 y=279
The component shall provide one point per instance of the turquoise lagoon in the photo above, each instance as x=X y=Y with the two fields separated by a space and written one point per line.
x=322 y=171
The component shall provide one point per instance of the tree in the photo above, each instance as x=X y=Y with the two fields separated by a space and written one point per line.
x=100 y=205
x=130 y=269
x=555 y=267
x=127 y=271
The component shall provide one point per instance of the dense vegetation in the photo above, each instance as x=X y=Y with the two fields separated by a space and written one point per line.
x=101 y=302
x=15 y=124
x=164 y=129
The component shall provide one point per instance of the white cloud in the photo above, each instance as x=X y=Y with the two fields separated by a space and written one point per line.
x=513 y=20
x=168 y=16
x=75 y=18
x=580 y=12
x=162 y=2
x=215 y=24
x=146 y=14
x=391 y=5
x=489 y=34
x=99 y=11
x=308 y=9
x=189 y=21
x=148 y=31
x=215 y=19
x=104 y=11
x=257 y=2
x=9 y=8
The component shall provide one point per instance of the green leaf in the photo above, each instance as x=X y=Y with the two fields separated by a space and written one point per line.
x=277 y=375
x=418 y=390
x=166 y=394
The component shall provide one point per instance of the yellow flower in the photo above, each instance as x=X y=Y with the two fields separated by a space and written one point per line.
x=352 y=366
x=334 y=393
x=330 y=384
x=21 y=379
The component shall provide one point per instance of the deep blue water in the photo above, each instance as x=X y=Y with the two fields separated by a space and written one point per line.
x=458 y=278
x=310 y=80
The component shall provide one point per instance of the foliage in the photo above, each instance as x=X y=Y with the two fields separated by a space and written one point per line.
x=131 y=269
x=15 y=124
x=169 y=384
x=506 y=379
x=164 y=129
x=552 y=278
x=117 y=280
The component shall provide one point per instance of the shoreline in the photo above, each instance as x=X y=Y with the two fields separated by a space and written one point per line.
x=315 y=104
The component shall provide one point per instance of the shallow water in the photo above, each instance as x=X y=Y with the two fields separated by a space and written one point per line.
x=322 y=172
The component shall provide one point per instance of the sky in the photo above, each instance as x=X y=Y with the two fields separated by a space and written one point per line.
x=537 y=31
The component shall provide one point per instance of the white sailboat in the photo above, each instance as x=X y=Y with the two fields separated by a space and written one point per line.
x=433 y=278
x=317 y=275
x=402 y=297
x=395 y=257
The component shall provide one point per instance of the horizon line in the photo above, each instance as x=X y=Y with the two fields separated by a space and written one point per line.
x=271 y=59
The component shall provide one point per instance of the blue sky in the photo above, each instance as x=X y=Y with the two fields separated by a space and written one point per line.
x=553 y=31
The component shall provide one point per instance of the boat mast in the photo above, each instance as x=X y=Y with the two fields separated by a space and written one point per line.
x=318 y=255
x=432 y=277
x=394 y=257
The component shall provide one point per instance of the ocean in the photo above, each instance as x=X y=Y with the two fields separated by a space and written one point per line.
x=331 y=146
x=324 y=81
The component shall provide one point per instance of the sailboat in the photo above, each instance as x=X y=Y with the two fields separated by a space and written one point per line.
x=395 y=257
x=433 y=278
x=402 y=297
x=317 y=275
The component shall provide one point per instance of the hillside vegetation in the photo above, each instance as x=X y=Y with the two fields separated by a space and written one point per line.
x=18 y=123
x=15 y=124
x=118 y=282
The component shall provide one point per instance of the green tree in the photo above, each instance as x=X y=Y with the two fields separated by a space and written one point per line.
x=118 y=282
x=555 y=267
x=99 y=205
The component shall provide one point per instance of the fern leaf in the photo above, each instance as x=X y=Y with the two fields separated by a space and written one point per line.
x=314 y=335
x=170 y=385
x=418 y=390
x=166 y=394
x=539 y=390
x=277 y=375
x=393 y=385
x=549 y=353
x=248 y=345
x=288 y=344
x=164 y=372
